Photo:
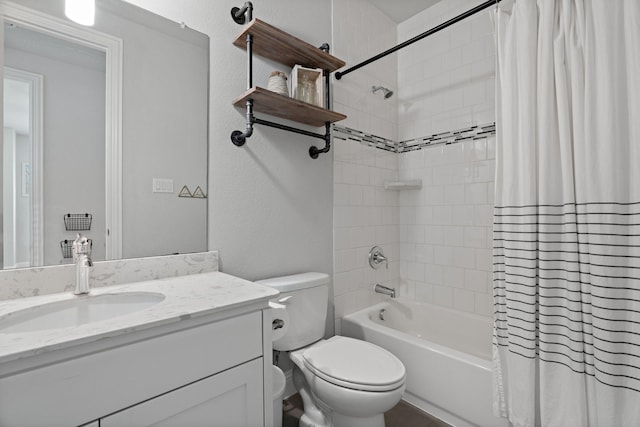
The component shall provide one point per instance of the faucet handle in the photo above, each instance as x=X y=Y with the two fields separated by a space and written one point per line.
x=376 y=257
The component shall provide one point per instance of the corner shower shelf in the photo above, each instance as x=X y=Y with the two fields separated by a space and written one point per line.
x=272 y=43
x=274 y=104
x=412 y=184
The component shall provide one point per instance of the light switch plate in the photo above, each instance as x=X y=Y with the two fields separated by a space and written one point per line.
x=162 y=185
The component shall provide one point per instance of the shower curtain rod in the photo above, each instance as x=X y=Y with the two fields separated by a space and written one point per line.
x=442 y=26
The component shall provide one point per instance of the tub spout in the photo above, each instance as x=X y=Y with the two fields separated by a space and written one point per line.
x=384 y=290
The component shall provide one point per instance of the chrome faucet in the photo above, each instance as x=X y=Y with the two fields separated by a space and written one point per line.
x=376 y=257
x=82 y=257
x=385 y=290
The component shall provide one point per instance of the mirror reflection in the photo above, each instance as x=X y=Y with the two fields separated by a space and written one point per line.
x=60 y=127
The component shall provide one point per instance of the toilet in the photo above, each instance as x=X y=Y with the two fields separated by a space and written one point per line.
x=343 y=382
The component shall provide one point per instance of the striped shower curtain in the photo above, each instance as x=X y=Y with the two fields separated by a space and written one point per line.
x=567 y=217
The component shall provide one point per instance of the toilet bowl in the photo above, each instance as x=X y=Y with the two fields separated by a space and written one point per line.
x=352 y=382
x=343 y=382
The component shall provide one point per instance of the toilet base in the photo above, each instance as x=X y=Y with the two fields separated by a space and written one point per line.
x=317 y=416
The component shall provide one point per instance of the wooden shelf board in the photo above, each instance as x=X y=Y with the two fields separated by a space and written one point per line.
x=273 y=43
x=266 y=101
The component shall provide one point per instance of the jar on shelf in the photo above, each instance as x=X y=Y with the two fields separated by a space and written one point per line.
x=307 y=89
x=278 y=83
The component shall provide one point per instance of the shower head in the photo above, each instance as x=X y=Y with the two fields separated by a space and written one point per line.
x=387 y=93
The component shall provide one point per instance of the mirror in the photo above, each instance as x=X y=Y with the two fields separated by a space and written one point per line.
x=116 y=127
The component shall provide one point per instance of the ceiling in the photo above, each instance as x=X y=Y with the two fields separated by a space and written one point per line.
x=401 y=10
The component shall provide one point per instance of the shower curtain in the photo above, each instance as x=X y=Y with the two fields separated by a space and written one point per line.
x=567 y=217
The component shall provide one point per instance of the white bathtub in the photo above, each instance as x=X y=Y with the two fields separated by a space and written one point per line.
x=447 y=355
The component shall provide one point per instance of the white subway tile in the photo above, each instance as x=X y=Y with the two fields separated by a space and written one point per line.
x=491 y=147
x=424 y=254
x=406 y=289
x=464 y=257
x=454 y=194
x=362 y=216
x=375 y=215
x=443 y=255
x=408 y=252
x=474 y=52
x=443 y=215
x=433 y=195
x=453 y=235
x=341 y=238
x=349 y=303
x=424 y=292
x=416 y=233
x=483 y=69
x=433 y=234
x=340 y=194
x=464 y=300
x=424 y=214
x=453 y=99
x=453 y=276
x=345 y=260
x=415 y=271
x=474 y=93
x=433 y=274
x=483 y=215
x=340 y=283
x=475 y=194
x=485 y=171
x=443 y=295
x=348 y=174
x=484 y=259
x=408 y=215
x=356 y=197
x=475 y=280
x=462 y=215
x=452 y=59
x=362 y=175
x=484 y=305
x=484 y=113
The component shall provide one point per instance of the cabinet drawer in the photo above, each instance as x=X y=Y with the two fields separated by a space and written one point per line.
x=232 y=398
x=89 y=387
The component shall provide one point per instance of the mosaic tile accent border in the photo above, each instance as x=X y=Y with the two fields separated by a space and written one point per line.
x=345 y=133
x=451 y=137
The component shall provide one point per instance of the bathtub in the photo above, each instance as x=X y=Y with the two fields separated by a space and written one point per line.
x=447 y=355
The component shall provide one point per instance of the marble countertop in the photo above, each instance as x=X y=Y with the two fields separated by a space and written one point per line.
x=186 y=297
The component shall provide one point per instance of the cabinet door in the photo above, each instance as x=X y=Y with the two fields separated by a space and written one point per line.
x=232 y=398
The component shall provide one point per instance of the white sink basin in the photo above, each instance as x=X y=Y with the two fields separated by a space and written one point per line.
x=77 y=311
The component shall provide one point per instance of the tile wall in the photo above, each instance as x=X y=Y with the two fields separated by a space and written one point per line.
x=437 y=238
x=445 y=228
x=365 y=215
x=446 y=82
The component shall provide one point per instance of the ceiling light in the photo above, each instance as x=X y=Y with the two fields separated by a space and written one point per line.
x=81 y=11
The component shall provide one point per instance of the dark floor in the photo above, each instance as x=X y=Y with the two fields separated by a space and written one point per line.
x=401 y=415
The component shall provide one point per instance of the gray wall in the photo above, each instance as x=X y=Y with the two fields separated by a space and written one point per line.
x=270 y=205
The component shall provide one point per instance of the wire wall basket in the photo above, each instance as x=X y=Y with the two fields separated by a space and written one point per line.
x=77 y=222
x=66 y=246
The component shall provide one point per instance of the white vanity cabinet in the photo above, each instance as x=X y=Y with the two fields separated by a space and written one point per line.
x=202 y=374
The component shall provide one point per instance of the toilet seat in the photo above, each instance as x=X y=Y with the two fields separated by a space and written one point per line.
x=354 y=364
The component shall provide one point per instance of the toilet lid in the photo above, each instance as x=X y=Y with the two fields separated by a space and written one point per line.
x=355 y=364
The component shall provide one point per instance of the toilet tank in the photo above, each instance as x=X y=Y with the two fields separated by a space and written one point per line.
x=307 y=307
